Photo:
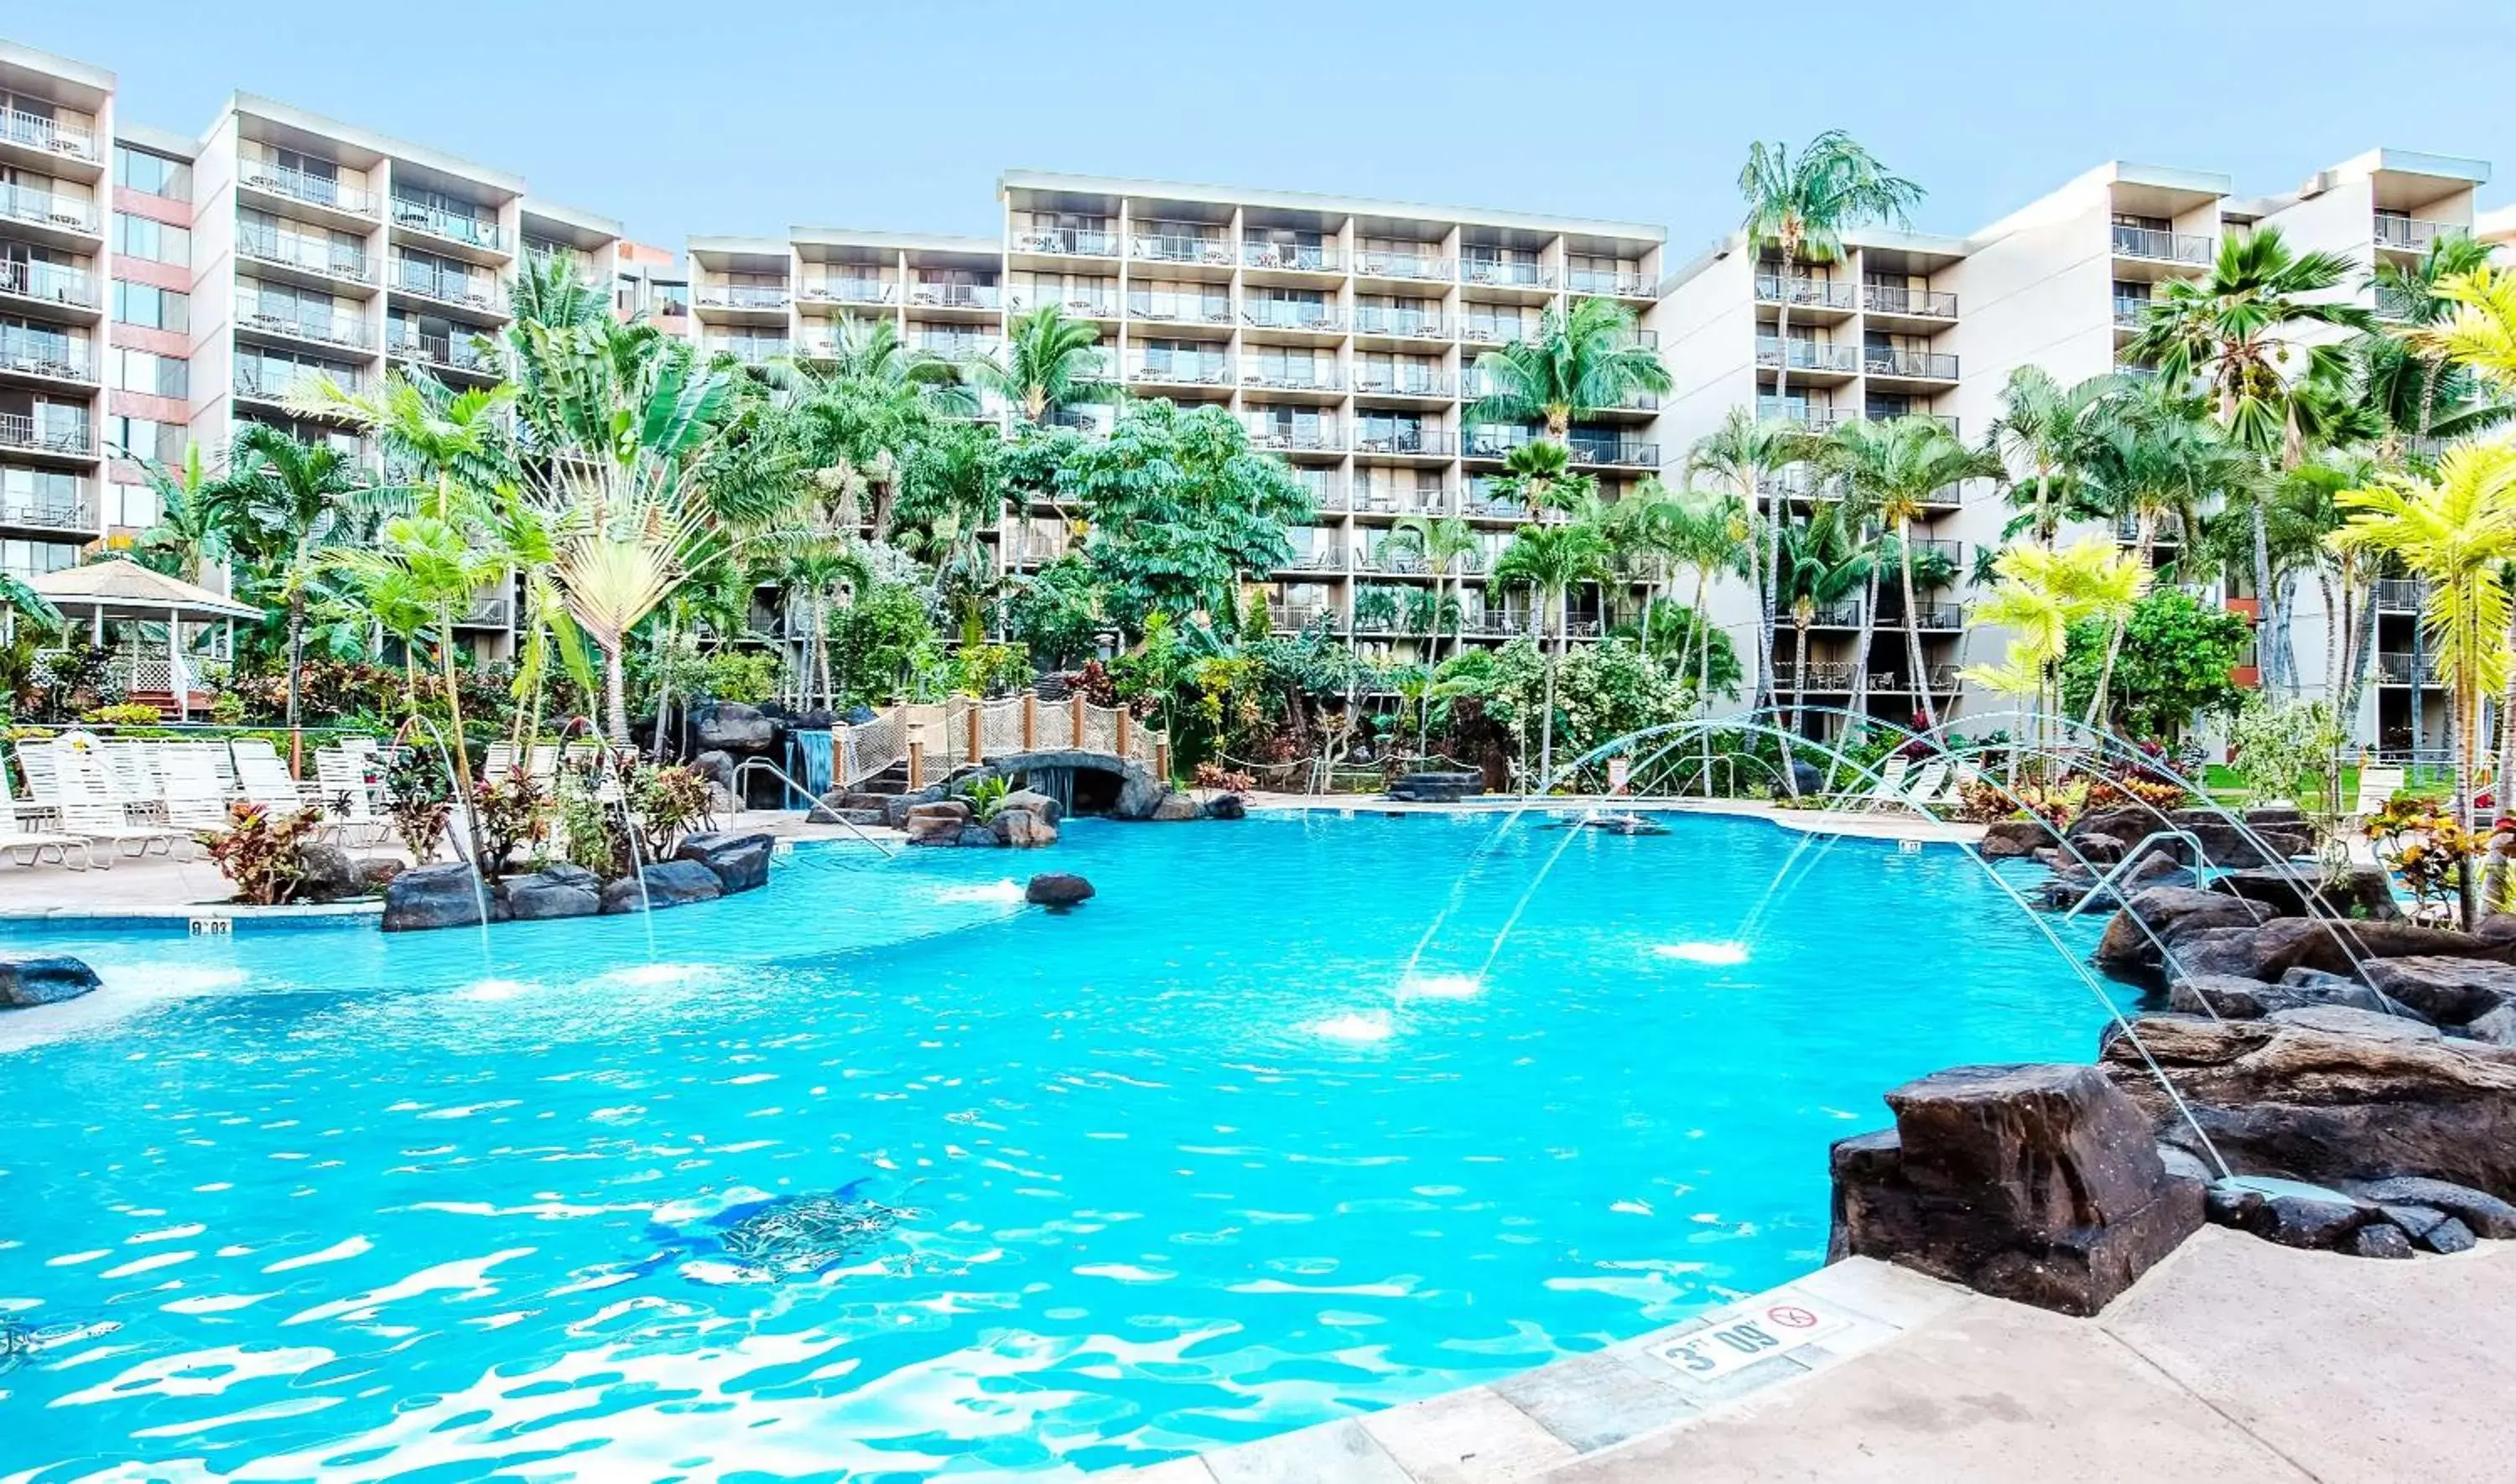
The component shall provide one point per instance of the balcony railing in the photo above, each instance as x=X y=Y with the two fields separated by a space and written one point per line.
x=1496 y=507
x=453 y=354
x=2396 y=304
x=1939 y=548
x=1919 y=303
x=25 y=203
x=2397 y=669
x=1289 y=255
x=1283 y=377
x=1620 y=453
x=1416 y=265
x=76 y=514
x=44 y=355
x=1295 y=617
x=1795 y=290
x=1841 y=615
x=1386 y=319
x=278 y=383
x=468 y=289
x=327 y=329
x=1816 y=675
x=2412 y=232
x=48 y=281
x=1807 y=355
x=1328 y=558
x=20 y=429
x=741 y=296
x=1493 y=441
x=1393 y=500
x=1073 y=304
x=1486 y=330
x=1066 y=242
x=1295 y=437
x=1426 y=381
x=1282 y=315
x=959 y=347
x=313 y=189
x=2165 y=530
x=1490 y=273
x=348 y=264
x=490 y=613
x=1168 y=247
x=53 y=136
x=1925 y=365
x=2160 y=246
x=1623 y=285
x=1372 y=439
x=1179 y=308
x=1938 y=617
x=751 y=353
x=851 y=291
x=2399 y=595
x=437 y=222
x=1182 y=370
x=954 y=296
x=2130 y=313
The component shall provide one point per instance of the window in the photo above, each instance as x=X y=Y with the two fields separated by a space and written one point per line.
x=151 y=307
x=151 y=173
x=133 y=506
x=27 y=560
x=140 y=371
x=155 y=241
x=145 y=438
x=38 y=496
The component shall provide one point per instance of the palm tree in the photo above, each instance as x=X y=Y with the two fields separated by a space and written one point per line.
x=1821 y=567
x=2236 y=331
x=1890 y=471
x=185 y=537
x=2456 y=532
x=1441 y=540
x=281 y=503
x=1552 y=560
x=1747 y=452
x=2146 y=455
x=2037 y=594
x=1540 y=475
x=549 y=292
x=1583 y=360
x=2040 y=427
x=2408 y=379
x=19 y=599
x=1049 y=366
x=859 y=416
x=1800 y=205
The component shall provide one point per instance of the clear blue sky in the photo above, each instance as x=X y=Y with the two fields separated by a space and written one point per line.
x=750 y=117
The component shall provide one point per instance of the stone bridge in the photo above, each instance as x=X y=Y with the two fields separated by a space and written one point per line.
x=1131 y=790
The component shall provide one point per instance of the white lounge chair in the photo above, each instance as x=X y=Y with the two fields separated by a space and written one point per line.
x=1889 y=788
x=2377 y=787
x=27 y=846
x=1924 y=795
x=187 y=782
x=90 y=807
x=349 y=800
x=262 y=779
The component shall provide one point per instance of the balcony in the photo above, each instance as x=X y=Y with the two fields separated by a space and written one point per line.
x=1429 y=443
x=1807 y=293
x=1290 y=257
x=308 y=189
x=271 y=382
x=325 y=259
x=1295 y=437
x=1614 y=452
x=1819 y=676
x=45 y=355
x=42 y=208
x=2161 y=246
x=1938 y=549
x=2397 y=304
x=1395 y=558
x=2397 y=594
x=960 y=349
x=76 y=514
x=493 y=612
x=1066 y=242
x=48 y=283
x=1814 y=419
x=1807 y=355
x=1284 y=314
x=1417 y=267
x=1913 y=303
x=2129 y=314
x=1938 y=618
x=1913 y=365
x=1173 y=247
x=1176 y=370
x=851 y=291
x=1842 y=615
x=51 y=136
x=1292 y=377
x=2166 y=530
x=1397 y=320
x=1493 y=441
x=1326 y=559
x=1296 y=617
x=1492 y=624
x=446 y=354
x=1492 y=506
x=1601 y=283
x=342 y=330
x=1328 y=497
x=1388 y=380
x=751 y=352
x=1487 y=330
x=1487 y=272
x=2413 y=234
x=1393 y=500
x=476 y=293
x=741 y=296
x=21 y=431
x=2397 y=669
x=1179 y=309
x=436 y=221
x=954 y=296
x=1072 y=304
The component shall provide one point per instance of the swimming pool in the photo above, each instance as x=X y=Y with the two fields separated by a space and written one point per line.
x=1179 y=1169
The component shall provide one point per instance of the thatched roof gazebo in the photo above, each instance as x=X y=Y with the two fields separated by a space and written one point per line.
x=121 y=592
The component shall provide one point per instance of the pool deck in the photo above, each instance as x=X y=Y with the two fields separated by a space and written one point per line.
x=1859 y=825
x=2234 y=1360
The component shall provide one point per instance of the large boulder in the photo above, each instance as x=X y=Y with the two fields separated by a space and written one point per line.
x=437 y=896
x=2038 y=1183
x=2322 y=1104
x=2262 y=839
x=977 y=837
x=558 y=891
x=741 y=861
x=1174 y=807
x=1056 y=890
x=2481 y=1212
x=46 y=979
x=326 y=874
x=936 y=822
x=1227 y=806
x=1048 y=810
x=730 y=726
x=665 y=883
x=2167 y=913
x=2300 y=890
x=1022 y=829
x=2453 y=992
x=716 y=765
x=2015 y=838
x=2239 y=997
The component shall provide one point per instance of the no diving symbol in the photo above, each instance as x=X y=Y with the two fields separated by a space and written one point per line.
x=1791 y=1317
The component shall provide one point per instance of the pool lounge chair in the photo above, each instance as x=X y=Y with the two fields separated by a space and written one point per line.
x=1925 y=796
x=262 y=779
x=27 y=846
x=2376 y=785
x=188 y=785
x=91 y=809
x=348 y=801
x=1889 y=789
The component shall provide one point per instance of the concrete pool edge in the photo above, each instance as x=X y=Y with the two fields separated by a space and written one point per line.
x=1852 y=825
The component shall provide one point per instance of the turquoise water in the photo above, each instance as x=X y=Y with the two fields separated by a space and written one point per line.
x=1176 y=1170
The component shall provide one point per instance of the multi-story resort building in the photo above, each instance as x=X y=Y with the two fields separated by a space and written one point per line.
x=157 y=290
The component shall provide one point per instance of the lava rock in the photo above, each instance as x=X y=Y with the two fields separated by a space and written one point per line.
x=1227 y=806
x=741 y=862
x=2167 y=912
x=2485 y=1214
x=936 y=822
x=2014 y=839
x=2319 y=1221
x=1056 y=890
x=558 y=891
x=2038 y=1183
x=2098 y=849
x=665 y=883
x=2239 y=997
x=2300 y=890
x=978 y=837
x=2344 y=1021
x=2449 y=991
x=1022 y=829
x=437 y=896
x=378 y=872
x=48 y=979
x=728 y=727
x=2380 y=1239
x=1173 y=807
x=325 y=874
x=716 y=765
x=2431 y=1229
x=1048 y=810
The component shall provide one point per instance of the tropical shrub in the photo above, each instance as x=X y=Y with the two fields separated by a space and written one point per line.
x=987 y=796
x=2172 y=667
x=514 y=811
x=2421 y=841
x=880 y=643
x=419 y=800
x=1057 y=614
x=667 y=802
x=127 y=714
x=261 y=852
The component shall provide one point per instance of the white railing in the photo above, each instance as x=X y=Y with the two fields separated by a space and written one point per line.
x=966 y=731
x=60 y=136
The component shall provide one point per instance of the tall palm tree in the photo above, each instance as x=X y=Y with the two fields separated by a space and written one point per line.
x=1800 y=205
x=2146 y=454
x=281 y=503
x=549 y=292
x=2456 y=532
x=1552 y=560
x=1746 y=452
x=186 y=536
x=1821 y=567
x=1048 y=366
x=1889 y=470
x=1441 y=540
x=2238 y=330
x=2408 y=378
x=2040 y=429
x=1584 y=359
x=1540 y=475
x=858 y=416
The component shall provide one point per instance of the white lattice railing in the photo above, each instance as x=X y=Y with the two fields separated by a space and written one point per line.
x=966 y=731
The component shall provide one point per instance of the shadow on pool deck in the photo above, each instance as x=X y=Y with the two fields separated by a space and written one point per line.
x=2235 y=1361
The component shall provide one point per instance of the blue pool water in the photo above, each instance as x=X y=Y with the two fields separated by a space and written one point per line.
x=1179 y=1169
